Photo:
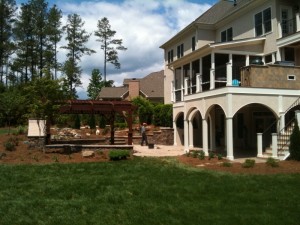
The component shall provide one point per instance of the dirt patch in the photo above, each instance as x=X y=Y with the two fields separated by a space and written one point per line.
x=259 y=168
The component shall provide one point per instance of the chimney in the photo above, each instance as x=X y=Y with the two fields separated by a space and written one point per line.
x=134 y=88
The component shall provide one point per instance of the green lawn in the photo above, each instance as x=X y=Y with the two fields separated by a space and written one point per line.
x=144 y=191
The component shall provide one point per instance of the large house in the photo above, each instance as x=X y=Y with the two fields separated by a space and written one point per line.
x=150 y=87
x=233 y=76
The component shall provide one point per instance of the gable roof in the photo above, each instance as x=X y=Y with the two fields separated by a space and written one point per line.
x=112 y=92
x=151 y=86
x=221 y=10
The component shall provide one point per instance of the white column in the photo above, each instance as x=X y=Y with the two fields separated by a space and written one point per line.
x=212 y=79
x=191 y=135
x=182 y=83
x=259 y=145
x=212 y=71
x=298 y=21
x=186 y=80
x=229 y=138
x=229 y=74
x=186 y=136
x=273 y=57
x=297 y=115
x=197 y=83
x=274 y=146
x=282 y=122
x=279 y=30
x=172 y=91
x=278 y=55
x=205 y=136
x=175 y=133
x=247 y=60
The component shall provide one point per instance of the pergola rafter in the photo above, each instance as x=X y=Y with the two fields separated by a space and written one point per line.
x=105 y=108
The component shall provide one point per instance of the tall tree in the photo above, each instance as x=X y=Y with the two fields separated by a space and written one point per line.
x=77 y=38
x=40 y=19
x=95 y=84
x=7 y=12
x=24 y=35
x=109 y=45
x=55 y=34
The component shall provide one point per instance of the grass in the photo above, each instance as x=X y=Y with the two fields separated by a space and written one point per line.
x=143 y=191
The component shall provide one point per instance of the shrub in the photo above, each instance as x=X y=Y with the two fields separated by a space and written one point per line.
x=211 y=155
x=272 y=162
x=194 y=154
x=227 y=164
x=187 y=154
x=118 y=154
x=249 y=163
x=294 y=147
x=201 y=154
x=9 y=145
x=220 y=156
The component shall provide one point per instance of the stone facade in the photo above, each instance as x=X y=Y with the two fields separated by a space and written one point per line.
x=271 y=76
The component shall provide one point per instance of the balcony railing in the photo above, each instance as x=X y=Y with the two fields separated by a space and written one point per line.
x=288 y=27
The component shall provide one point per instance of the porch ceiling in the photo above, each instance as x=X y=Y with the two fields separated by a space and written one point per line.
x=238 y=43
x=289 y=41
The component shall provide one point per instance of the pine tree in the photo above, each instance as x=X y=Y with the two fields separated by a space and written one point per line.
x=54 y=34
x=294 y=147
x=7 y=11
x=95 y=84
x=76 y=37
x=109 y=45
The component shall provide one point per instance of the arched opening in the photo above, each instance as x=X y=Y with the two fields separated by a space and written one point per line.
x=197 y=130
x=216 y=130
x=180 y=129
x=247 y=122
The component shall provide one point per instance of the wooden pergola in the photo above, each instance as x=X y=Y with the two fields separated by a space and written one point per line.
x=109 y=109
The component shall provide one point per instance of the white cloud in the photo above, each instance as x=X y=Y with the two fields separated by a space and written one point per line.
x=143 y=26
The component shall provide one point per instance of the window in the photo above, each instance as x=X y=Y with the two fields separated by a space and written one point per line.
x=268 y=58
x=263 y=23
x=180 y=50
x=226 y=35
x=170 y=56
x=193 y=43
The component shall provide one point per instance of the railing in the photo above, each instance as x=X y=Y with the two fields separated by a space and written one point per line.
x=284 y=135
x=288 y=27
x=280 y=134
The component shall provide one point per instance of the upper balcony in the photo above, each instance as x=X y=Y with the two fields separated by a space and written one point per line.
x=281 y=75
x=289 y=31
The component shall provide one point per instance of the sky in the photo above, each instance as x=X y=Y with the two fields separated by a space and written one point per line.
x=143 y=25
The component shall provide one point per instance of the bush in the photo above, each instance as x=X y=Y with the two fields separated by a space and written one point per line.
x=9 y=145
x=272 y=162
x=249 y=163
x=227 y=164
x=20 y=130
x=120 y=125
x=118 y=154
x=220 y=156
x=294 y=147
x=201 y=154
x=211 y=155
x=194 y=154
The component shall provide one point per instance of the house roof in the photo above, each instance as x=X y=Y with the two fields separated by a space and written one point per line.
x=220 y=10
x=217 y=13
x=112 y=92
x=152 y=86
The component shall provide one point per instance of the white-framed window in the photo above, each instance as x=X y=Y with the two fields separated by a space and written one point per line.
x=180 y=50
x=263 y=22
x=170 y=56
x=291 y=77
x=226 y=35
